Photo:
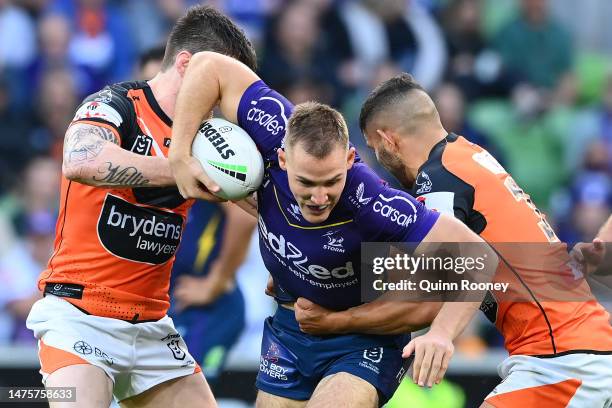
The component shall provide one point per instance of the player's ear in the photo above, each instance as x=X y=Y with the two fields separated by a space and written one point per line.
x=181 y=61
x=282 y=159
x=350 y=157
x=388 y=139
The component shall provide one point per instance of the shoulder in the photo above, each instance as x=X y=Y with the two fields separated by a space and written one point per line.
x=362 y=186
x=111 y=105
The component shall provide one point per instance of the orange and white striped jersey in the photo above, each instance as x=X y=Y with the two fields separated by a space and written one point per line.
x=114 y=248
x=464 y=180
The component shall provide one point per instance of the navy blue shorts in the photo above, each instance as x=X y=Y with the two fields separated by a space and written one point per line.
x=211 y=331
x=292 y=363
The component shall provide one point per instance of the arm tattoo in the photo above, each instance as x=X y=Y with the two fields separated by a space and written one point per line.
x=116 y=175
x=84 y=142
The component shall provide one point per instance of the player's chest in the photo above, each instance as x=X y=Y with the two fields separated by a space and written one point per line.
x=284 y=234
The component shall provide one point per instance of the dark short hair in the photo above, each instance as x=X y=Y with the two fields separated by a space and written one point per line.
x=203 y=28
x=319 y=128
x=386 y=94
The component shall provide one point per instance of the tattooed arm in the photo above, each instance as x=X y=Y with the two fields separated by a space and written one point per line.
x=92 y=156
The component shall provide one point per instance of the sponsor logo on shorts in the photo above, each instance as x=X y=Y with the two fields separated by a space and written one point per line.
x=82 y=348
x=140 y=234
x=268 y=363
x=85 y=349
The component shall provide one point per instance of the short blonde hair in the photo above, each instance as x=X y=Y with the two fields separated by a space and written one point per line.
x=319 y=128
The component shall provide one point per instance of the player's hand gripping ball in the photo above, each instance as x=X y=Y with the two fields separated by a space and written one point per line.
x=229 y=157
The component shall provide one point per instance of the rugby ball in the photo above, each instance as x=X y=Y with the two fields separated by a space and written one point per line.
x=229 y=157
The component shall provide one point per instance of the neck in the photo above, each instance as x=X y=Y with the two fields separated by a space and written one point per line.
x=416 y=149
x=165 y=87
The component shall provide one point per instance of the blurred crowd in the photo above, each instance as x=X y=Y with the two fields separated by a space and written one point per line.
x=530 y=80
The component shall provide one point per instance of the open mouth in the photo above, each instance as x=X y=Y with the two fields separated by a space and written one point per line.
x=317 y=209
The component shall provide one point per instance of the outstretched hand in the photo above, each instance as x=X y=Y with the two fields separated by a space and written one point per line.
x=432 y=353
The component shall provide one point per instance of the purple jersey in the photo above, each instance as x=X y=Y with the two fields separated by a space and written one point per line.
x=321 y=262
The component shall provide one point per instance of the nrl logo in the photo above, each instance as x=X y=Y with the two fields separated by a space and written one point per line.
x=424 y=183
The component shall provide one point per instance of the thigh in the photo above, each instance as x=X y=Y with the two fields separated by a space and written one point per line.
x=189 y=391
x=356 y=392
x=285 y=365
x=66 y=337
x=265 y=400
x=160 y=356
x=93 y=387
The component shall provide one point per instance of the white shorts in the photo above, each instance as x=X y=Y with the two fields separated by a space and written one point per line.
x=570 y=381
x=136 y=357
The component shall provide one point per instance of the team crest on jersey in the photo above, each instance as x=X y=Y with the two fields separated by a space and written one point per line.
x=142 y=145
x=334 y=242
x=424 y=183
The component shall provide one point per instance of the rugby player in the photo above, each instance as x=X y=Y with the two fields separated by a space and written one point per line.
x=560 y=352
x=206 y=303
x=316 y=205
x=102 y=326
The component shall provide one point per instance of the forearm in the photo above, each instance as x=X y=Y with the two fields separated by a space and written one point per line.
x=210 y=79
x=119 y=168
x=385 y=317
x=453 y=317
x=198 y=95
x=92 y=156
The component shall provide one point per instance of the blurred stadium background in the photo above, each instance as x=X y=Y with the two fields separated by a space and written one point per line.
x=530 y=80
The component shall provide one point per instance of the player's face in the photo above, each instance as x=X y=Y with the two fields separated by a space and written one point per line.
x=316 y=183
x=389 y=159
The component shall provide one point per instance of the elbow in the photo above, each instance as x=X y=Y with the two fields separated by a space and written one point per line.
x=72 y=173
x=75 y=173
